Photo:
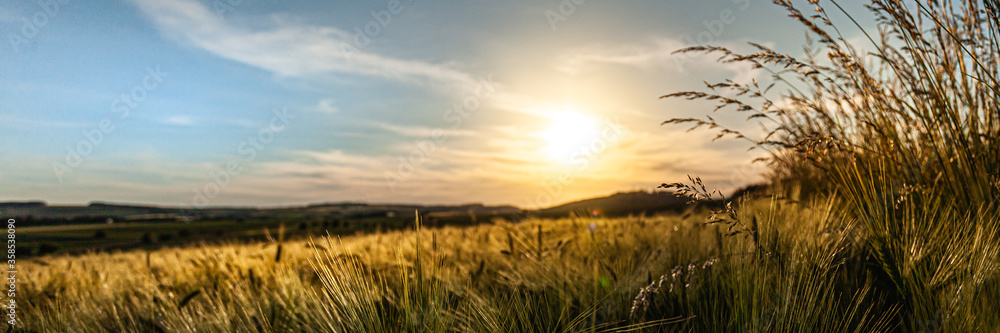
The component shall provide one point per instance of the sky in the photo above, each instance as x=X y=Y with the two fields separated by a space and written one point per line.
x=246 y=102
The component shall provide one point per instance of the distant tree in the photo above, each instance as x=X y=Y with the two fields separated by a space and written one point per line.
x=46 y=248
x=100 y=234
x=165 y=237
x=148 y=238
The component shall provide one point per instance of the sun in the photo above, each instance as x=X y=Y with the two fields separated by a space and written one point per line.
x=570 y=134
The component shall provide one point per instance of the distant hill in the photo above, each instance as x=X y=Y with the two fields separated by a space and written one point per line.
x=21 y=204
x=98 y=212
x=40 y=213
x=619 y=204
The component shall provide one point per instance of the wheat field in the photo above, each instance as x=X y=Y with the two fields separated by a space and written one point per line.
x=663 y=273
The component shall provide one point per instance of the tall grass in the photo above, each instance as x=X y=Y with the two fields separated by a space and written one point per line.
x=906 y=136
x=566 y=275
x=586 y=278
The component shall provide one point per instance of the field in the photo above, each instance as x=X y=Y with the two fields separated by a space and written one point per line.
x=83 y=238
x=881 y=214
x=806 y=272
x=541 y=275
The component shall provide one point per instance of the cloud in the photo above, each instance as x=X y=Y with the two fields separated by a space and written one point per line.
x=509 y=169
x=10 y=121
x=178 y=120
x=291 y=49
x=326 y=106
x=656 y=55
x=424 y=132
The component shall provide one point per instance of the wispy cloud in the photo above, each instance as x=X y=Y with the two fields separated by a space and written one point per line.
x=658 y=54
x=10 y=120
x=326 y=106
x=423 y=131
x=178 y=120
x=489 y=173
x=290 y=49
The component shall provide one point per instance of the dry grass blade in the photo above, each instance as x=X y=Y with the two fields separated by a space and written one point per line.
x=187 y=299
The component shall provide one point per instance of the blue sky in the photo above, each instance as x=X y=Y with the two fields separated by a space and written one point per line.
x=263 y=103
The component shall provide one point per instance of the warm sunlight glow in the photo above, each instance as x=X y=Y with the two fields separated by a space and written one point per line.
x=571 y=135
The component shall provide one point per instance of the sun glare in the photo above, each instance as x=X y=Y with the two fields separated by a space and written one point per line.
x=571 y=134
